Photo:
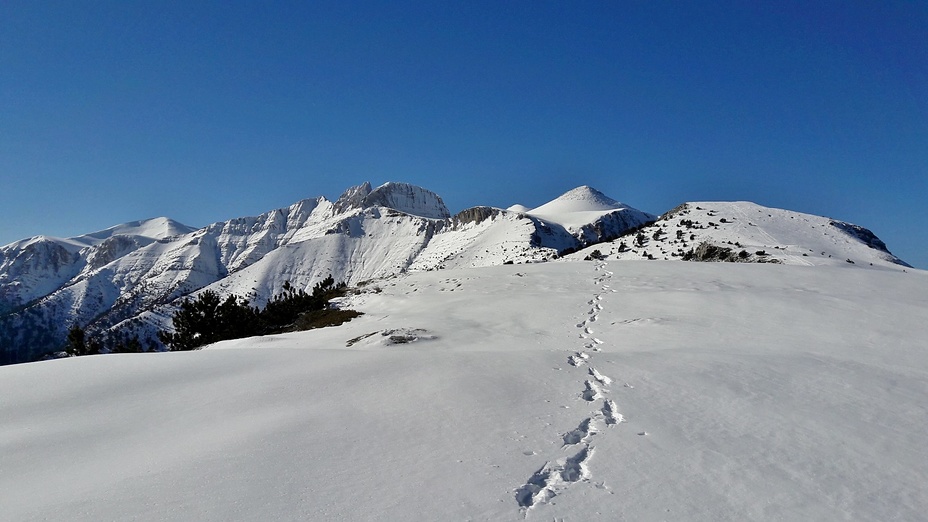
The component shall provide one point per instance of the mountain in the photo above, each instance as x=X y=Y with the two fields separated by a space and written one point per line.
x=353 y=239
x=747 y=232
x=35 y=267
x=129 y=279
x=567 y=390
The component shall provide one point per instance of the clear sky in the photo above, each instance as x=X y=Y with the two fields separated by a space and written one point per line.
x=205 y=111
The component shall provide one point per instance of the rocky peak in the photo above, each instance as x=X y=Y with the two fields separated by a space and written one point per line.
x=353 y=197
x=403 y=197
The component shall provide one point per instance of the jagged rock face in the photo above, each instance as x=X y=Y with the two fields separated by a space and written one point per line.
x=864 y=235
x=353 y=198
x=611 y=226
x=474 y=215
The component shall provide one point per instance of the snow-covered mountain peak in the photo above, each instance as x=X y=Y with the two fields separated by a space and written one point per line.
x=409 y=199
x=519 y=208
x=582 y=209
x=154 y=228
x=580 y=199
x=403 y=197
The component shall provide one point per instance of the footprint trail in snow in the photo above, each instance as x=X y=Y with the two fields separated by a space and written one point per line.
x=559 y=473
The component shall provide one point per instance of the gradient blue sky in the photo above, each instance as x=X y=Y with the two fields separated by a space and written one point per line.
x=202 y=111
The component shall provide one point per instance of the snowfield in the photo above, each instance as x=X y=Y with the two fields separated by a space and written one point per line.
x=632 y=390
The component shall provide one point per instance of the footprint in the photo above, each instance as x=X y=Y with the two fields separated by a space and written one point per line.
x=578 y=358
x=544 y=484
x=592 y=392
x=602 y=379
x=611 y=413
x=582 y=433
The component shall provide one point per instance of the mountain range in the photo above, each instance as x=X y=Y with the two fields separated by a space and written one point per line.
x=561 y=362
x=131 y=277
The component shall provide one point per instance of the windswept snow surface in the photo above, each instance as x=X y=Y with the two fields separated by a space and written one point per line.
x=573 y=390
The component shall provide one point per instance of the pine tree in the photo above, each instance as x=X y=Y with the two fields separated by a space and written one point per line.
x=77 y=342
x=208 y=319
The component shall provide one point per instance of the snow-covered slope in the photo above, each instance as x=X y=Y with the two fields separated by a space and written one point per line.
x=763 y=234
x=570 y=390
x=486 y=236
x=365 y=244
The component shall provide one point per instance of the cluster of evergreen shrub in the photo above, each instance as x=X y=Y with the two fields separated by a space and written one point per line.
x=209 y=319
x=80 y=343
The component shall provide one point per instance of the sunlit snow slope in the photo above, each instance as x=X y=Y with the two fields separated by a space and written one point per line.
x=763 y=234
x=568 y=390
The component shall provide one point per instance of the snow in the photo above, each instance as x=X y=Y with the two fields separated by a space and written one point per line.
x=784 y=236
x=581 y=206
x=707 y=391
x=155 y=229
x=500 y=238
x=129 y=277
x=410 y=199
x=33 y=268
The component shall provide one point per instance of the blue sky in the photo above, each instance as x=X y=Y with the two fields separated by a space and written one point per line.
x=200 y=111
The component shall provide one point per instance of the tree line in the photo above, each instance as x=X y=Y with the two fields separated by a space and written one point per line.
x=210 y=318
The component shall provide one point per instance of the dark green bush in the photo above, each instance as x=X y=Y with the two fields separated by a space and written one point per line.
x=208 y=319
